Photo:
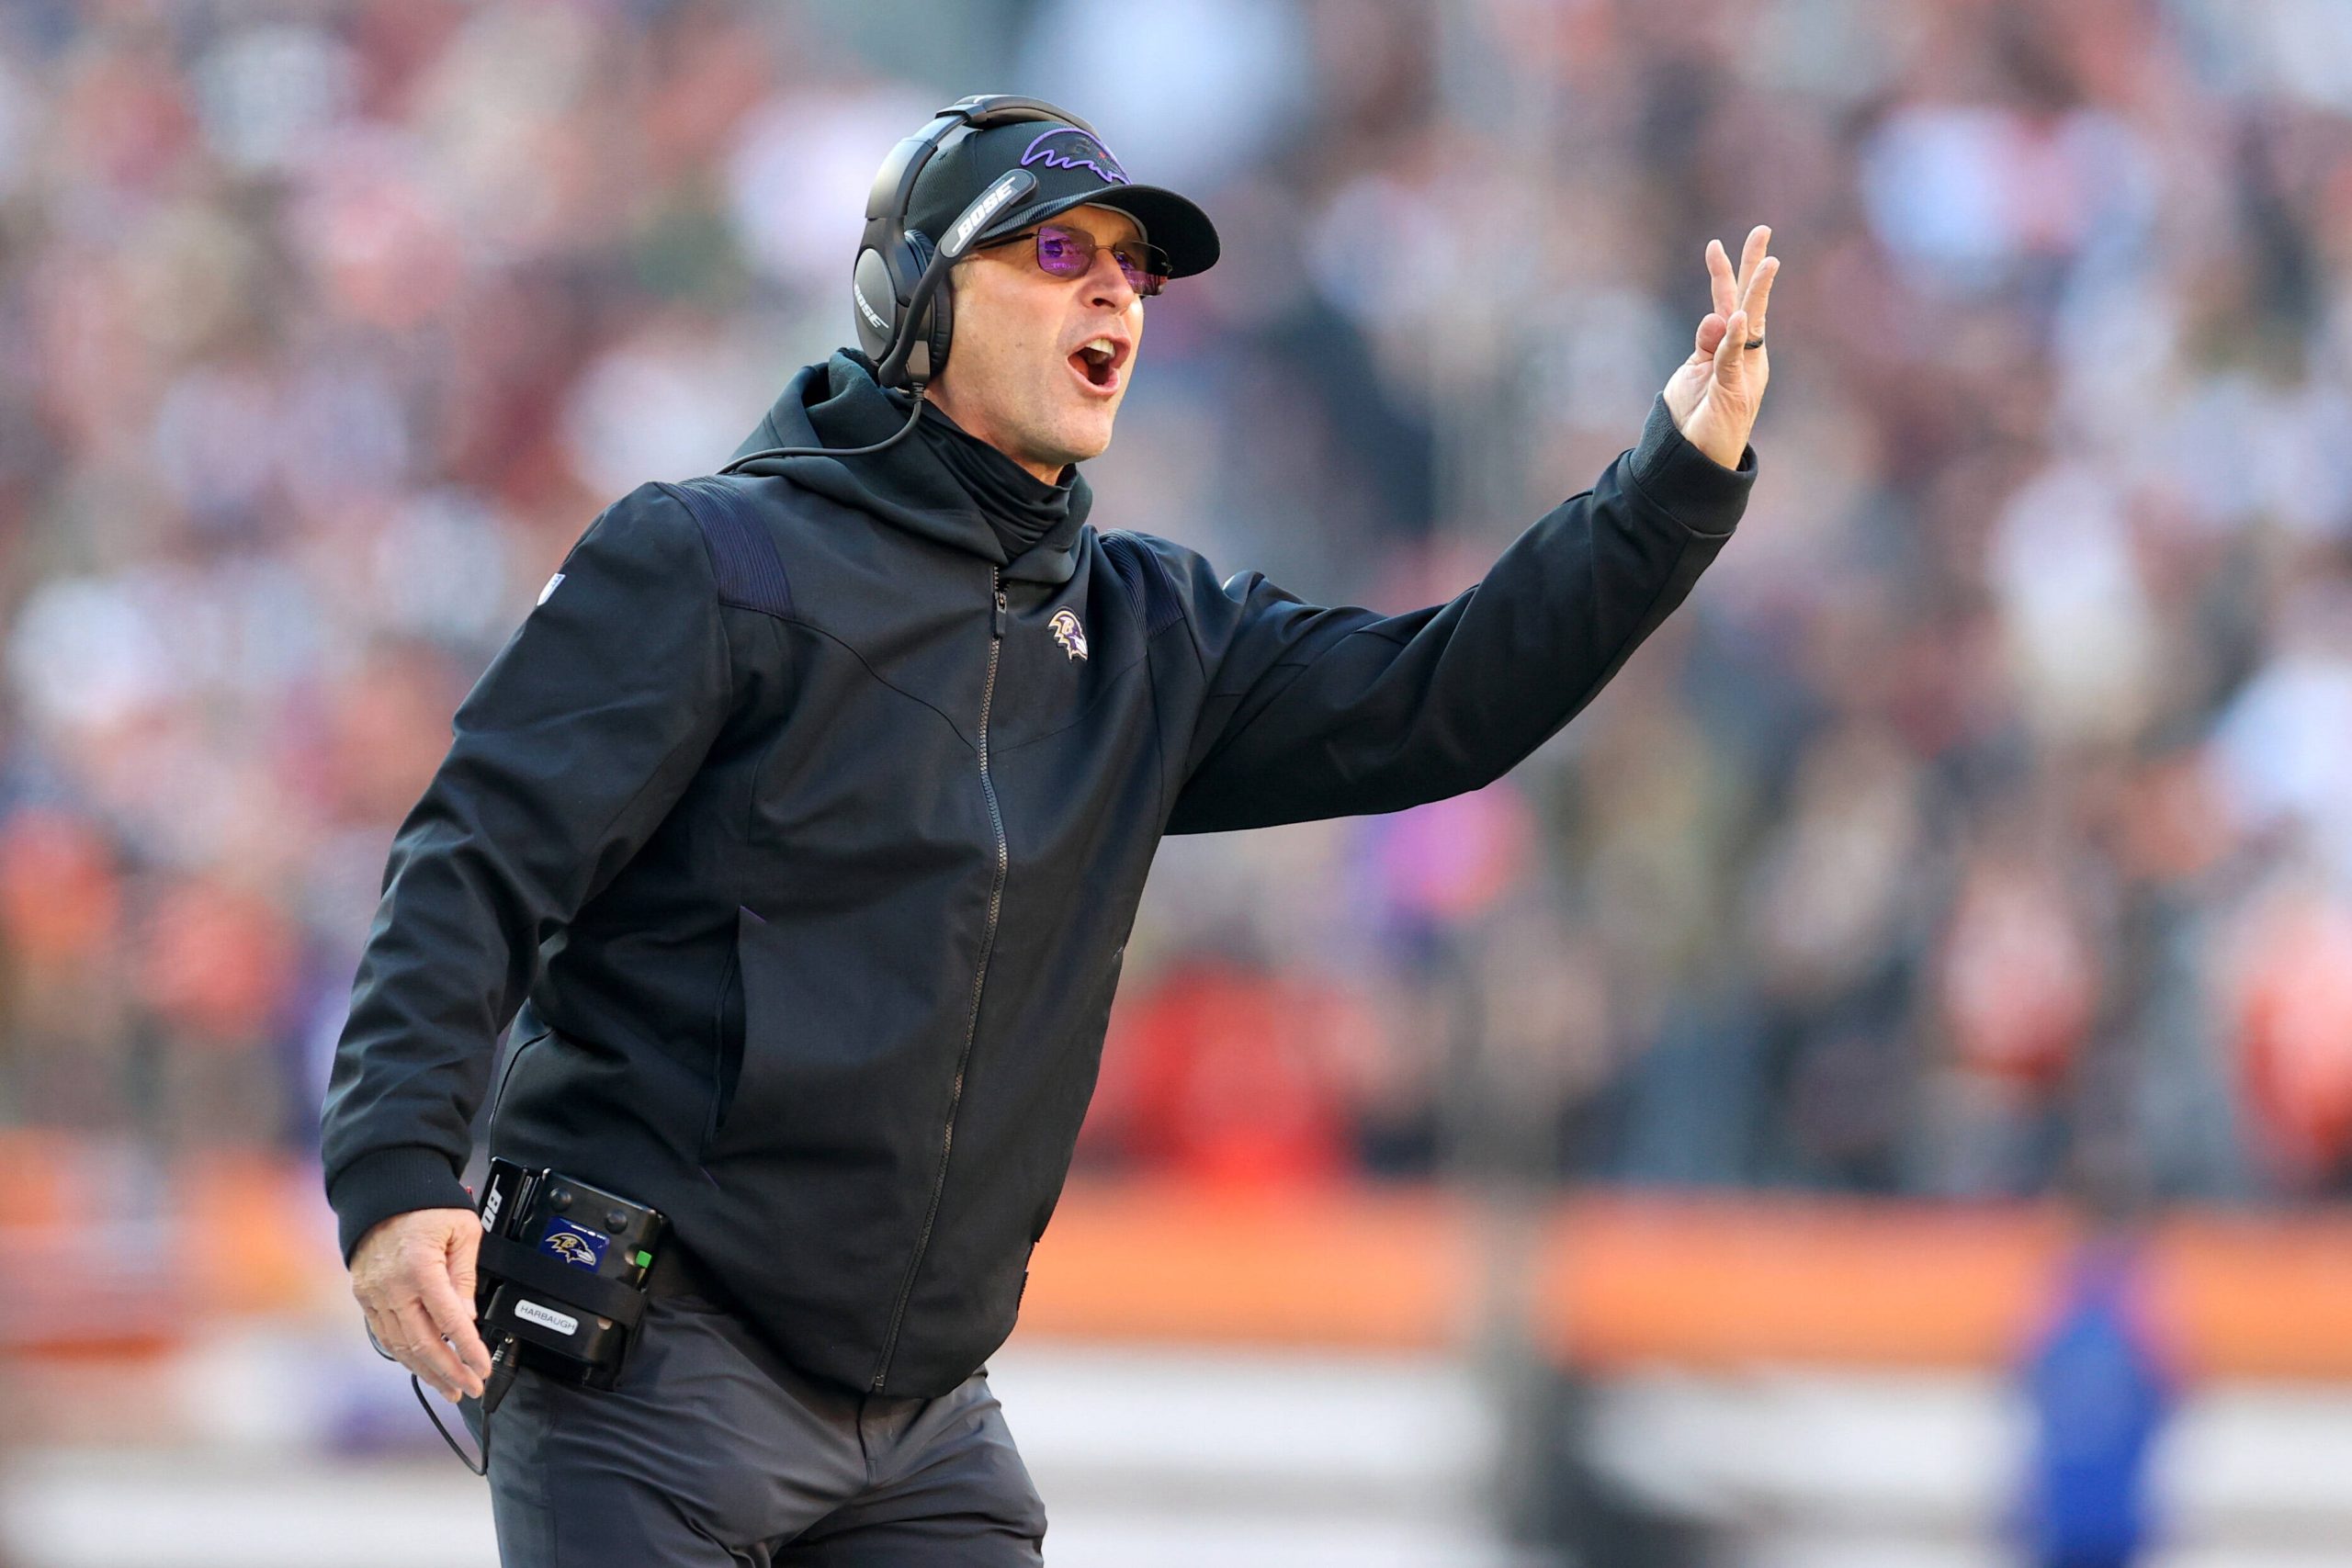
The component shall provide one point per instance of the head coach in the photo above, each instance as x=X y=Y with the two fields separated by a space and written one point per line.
x=804 y=821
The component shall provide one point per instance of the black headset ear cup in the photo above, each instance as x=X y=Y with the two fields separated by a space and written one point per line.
x=931 y=332
x=942 y=328
x=874 y=298
x=884 y=280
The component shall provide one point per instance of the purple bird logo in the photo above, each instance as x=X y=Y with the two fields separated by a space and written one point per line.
x=571 y=1250
x=1079 y=151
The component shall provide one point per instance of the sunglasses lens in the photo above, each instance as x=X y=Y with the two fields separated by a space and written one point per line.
x=1145 y=266
x=1062 y=254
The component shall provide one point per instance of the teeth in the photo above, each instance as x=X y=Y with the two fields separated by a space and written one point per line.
x=1101 y=345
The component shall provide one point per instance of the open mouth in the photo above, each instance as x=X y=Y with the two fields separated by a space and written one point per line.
x=1097 y=362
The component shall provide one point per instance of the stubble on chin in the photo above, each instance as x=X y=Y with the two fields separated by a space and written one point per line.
x=1076 y=448
x=1064 y=435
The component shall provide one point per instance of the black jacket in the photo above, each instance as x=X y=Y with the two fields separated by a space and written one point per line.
x=805 y=831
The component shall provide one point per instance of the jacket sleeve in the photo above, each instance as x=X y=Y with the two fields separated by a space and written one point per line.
x=567 y=754
x=1312 y=711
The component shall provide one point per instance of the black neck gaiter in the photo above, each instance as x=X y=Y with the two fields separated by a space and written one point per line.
x=1019 y=508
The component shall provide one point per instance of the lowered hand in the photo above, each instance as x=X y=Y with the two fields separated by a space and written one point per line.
x=414 y=1274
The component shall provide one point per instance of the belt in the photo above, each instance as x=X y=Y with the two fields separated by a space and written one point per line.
x=675 y=1273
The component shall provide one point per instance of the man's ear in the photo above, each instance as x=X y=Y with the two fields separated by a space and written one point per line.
x=956 y=286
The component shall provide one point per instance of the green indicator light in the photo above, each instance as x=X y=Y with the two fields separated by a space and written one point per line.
x=645 y=1260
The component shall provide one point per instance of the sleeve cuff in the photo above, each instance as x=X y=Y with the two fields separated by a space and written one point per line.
x=375 y=1187
x=1684 y=482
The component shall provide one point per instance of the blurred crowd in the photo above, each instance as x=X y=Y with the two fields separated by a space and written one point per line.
x=1982 y=826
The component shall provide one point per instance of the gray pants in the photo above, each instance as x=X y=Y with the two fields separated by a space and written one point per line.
x=711 y=1453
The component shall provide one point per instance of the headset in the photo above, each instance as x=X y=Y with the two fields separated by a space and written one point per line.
x=904 y=322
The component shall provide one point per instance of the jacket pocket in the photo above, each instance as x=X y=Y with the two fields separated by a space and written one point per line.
x=514 y=1060
x=730 y=1036
x=847 y=1056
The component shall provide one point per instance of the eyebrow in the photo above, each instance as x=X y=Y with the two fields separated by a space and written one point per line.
x=1134 y=236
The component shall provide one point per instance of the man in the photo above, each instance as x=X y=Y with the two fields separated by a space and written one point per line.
x=804 y=819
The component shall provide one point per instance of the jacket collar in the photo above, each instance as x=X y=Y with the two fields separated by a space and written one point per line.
x=838 y=404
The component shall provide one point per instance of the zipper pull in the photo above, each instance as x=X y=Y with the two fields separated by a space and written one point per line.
x=997 y=621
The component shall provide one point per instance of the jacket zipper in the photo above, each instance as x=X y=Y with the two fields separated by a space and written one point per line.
x=980 y=978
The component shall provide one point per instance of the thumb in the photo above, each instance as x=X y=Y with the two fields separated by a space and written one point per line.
x=452 y=1307
x=464 y=1251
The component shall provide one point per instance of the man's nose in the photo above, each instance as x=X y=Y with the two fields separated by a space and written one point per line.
x=1106 y=284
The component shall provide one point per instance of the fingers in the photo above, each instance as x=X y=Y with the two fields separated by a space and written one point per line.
x=1751 y=256
x=1712 y=329
x=465 y=1246
x=1735 y=290
x=446 y=1315
x=428 y=1357
x=1728 y=351
x=414 y=1275
x=383 y=1330
x=452 y=1317
x=400 y=1341
x=1760 y=294
x=411 y=1341
x=454 y=1324
x=1720 y=282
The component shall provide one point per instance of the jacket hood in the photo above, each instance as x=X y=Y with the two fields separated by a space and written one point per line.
x=839 y=404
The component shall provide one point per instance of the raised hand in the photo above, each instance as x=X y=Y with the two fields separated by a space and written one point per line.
x=1714 y=395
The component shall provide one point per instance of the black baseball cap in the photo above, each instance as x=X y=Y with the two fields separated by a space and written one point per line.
x=1072 y=169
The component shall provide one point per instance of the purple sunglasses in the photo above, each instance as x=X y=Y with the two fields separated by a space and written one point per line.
x=1065 y=253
